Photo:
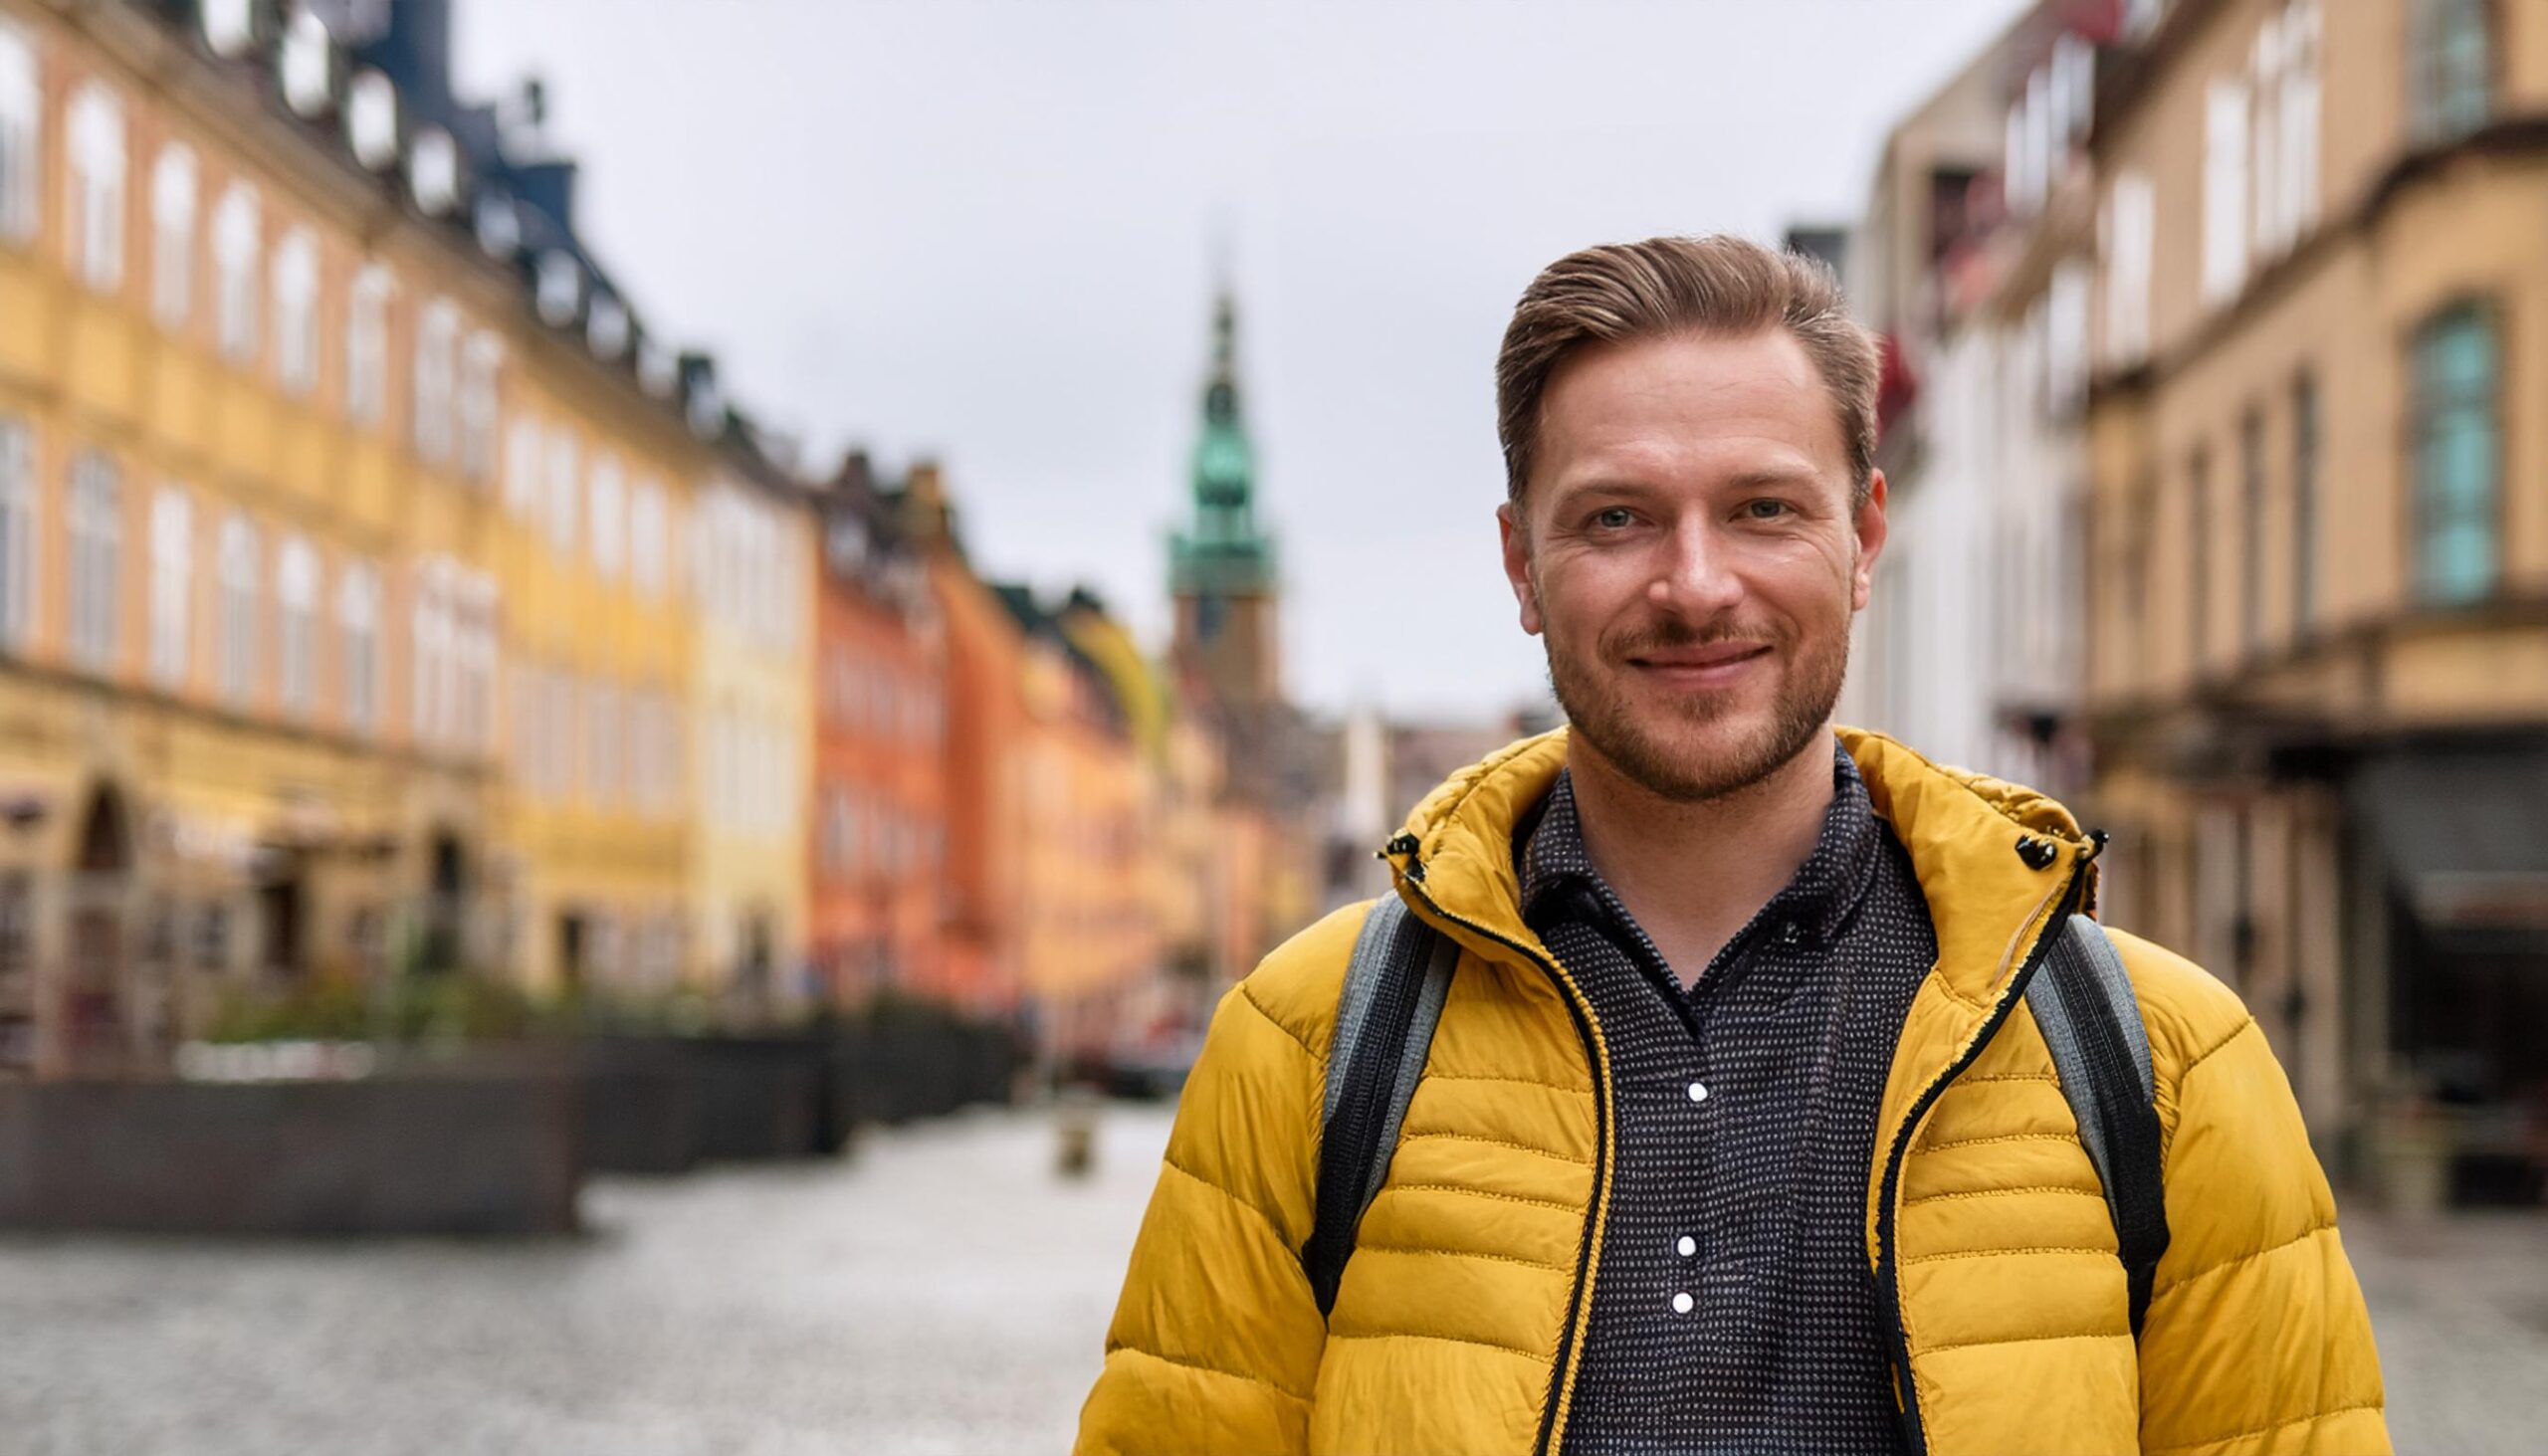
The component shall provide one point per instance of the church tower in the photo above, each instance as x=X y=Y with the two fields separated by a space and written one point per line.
x=1222 y=566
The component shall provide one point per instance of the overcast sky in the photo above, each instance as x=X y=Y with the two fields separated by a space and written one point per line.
x=987 y=230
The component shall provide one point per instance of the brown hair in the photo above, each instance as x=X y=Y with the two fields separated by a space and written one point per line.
x=1720 y=285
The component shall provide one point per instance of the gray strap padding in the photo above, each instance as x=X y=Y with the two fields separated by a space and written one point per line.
x=1419 y=1043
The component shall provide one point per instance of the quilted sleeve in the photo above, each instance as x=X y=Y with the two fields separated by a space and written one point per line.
x=1216 y=1343
x=2256 y=1340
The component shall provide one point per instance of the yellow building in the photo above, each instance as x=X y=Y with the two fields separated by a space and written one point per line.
x=751 y=699
x=352 y=531
x=2318 y=615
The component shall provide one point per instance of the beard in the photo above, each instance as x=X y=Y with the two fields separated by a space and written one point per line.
x=1693 y=748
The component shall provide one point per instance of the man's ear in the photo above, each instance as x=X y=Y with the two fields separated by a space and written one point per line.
x=1517 y=563
x=1870 y=529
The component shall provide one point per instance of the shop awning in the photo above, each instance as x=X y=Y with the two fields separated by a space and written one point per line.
x=2464 y=834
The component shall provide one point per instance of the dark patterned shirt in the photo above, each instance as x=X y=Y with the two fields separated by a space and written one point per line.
x=1732 y=1309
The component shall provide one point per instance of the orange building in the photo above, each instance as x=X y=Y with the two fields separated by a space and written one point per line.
x=1090 y=953
x=980 y=740
x=877 y=859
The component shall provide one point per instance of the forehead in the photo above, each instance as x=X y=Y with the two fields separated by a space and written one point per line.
x=1688 y=404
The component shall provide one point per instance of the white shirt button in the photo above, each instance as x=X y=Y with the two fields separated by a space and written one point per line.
x=1682 y=1304
x=1688 y=1247
x=1698 y=1092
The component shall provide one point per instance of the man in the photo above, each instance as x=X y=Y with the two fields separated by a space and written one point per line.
x=1734 y=1135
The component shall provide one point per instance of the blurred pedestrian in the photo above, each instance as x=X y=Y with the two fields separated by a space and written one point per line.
x=1744 y=1124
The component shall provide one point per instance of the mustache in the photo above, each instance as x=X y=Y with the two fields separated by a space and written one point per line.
x=1673 y=633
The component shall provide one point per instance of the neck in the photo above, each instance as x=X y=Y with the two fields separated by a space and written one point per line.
x=1693 y=873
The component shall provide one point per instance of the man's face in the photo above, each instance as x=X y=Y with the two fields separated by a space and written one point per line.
x=1687 y=545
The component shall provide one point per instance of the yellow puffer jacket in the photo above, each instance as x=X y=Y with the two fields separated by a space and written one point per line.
x=1456 y=1327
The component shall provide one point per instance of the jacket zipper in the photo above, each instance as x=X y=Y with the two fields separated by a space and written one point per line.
x=1888 y=1265
x=1600 y=1150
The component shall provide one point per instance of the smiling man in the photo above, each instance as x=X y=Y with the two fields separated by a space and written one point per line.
x=1777 y=1093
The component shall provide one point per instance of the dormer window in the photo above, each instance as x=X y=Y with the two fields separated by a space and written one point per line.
x=230 y=27
x=308 y=65
x=371 y=121
x=606 y=330
x=433 y=173
x=560 y=286
x=499 y=225
x=707 y=408
x=657 y=371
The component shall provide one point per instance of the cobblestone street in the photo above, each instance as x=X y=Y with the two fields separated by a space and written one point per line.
x=940 y=1292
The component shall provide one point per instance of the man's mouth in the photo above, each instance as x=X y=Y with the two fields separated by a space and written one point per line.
x=1703 y=666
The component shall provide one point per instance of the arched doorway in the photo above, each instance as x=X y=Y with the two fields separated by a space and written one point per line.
x=94 y=1034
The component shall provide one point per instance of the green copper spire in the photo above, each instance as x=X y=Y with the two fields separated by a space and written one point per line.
x=1222 y=553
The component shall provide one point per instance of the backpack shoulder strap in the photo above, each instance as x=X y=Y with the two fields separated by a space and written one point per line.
x=2083 y=1001
x=1384 y=1018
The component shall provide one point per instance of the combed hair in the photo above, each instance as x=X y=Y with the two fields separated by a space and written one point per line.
x=1718 y=285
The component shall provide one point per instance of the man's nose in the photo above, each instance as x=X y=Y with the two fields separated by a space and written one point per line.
x=1694 y=573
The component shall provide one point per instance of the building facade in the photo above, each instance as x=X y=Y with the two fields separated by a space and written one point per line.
x=2318 y=624
x=877 y=855
x=345 y=609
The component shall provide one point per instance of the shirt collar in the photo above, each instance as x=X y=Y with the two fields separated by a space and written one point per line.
x=1552 y=861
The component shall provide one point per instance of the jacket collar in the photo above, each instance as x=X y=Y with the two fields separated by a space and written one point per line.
x=1989 y=855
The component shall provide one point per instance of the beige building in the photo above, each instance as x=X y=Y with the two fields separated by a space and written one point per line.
x=2318 y=609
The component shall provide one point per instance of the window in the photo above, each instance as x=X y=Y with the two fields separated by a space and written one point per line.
x=563 y=488
x=431 y=650
x=521 y=466
x=359 y=622
x=646 y=538
x=241 y=570
x=475 y=647
x=95 y=129
x=95 y=517
x=2287 y=93
x=296 y=602
x=603 y=740
x=2450 y=67
x=235 y=244
x=2305 y=457
x=367 y=345
x=561 y=289
x=608 y=509
x=479 y=367
x=2252 y=530
x=172 y=235
x=2224 y=189
x=2197 y=558
x=295 y=289
x=437 y=361
x=2457 y=457
x=839 y=832
x=172 y=579
x=17 y=525
x=21 y=135
x=2128 y=231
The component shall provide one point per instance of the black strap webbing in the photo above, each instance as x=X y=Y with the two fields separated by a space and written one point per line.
x=1384 y=1019
x=2083 y=1003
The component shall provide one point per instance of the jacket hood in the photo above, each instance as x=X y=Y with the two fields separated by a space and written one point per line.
x=1988 y=854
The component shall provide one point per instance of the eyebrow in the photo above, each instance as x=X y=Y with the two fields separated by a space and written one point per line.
x=1750 y=480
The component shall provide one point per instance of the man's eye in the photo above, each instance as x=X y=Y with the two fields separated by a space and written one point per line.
x=1766 y=509
x=1617 y=517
